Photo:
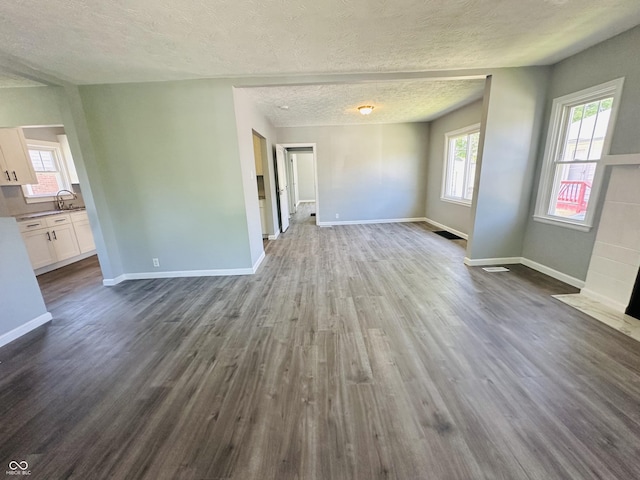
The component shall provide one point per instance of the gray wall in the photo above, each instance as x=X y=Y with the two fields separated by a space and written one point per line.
x=512 y=118
x=561 y=248
x=306 y=177
x=168 y=153
x=19 y=291
x=367 y=172
x=450 y=214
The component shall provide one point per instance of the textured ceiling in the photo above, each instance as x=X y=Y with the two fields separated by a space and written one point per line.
x=97 y=41
x=401 y=101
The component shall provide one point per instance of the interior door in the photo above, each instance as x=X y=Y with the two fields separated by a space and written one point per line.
x=283 y=194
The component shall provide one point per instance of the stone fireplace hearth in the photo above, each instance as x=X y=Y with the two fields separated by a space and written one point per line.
x=615 y=260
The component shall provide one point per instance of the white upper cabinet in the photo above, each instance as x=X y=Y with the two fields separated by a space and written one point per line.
x=15 y=165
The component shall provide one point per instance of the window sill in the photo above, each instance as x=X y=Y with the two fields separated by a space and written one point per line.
x=581 y=227
x=457 y=202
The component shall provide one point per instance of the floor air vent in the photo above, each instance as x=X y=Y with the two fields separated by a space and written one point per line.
x=495 y=269
x=448 y=235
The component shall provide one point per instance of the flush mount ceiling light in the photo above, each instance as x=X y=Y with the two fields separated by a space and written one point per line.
x=365 y=109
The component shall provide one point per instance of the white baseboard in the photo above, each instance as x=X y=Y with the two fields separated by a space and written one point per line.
x=483 y=262
x=64 y=263
x=306 y=201
x=109 y=282
x=274 y=237
x=366 y=222
x=563 y=277
x=618 y=307
x=258 y=262
x=448 y=229
x=25 y=328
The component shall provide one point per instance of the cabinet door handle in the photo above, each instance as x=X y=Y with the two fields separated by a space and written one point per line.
x=60 y=220
x=48 y=236
x=15 y=176
x=6 y=172
x=54 y=235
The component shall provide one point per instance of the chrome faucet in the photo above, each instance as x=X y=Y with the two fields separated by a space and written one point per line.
x=60 y=200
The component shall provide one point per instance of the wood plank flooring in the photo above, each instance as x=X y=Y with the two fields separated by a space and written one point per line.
x=357 y=352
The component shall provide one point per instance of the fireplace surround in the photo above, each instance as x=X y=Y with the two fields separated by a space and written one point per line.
x=615 y=260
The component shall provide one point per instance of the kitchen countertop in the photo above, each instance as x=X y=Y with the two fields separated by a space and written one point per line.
x=27 y=216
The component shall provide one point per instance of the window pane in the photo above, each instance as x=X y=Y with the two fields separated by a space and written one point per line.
x=571 y=190
x=43 y=160
x=457 y=158
x=48 y=161
x=473 y=140
x=36 y=161
x=600 y=131
x=586 y=129
x=48 y=184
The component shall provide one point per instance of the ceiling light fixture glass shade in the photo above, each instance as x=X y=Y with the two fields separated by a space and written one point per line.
x=365 y=109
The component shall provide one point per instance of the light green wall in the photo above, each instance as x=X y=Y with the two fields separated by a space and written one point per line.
x=367 y=172
x=560 y=248
x=512 y=118
x=19 y=290
x=168 y=156
x=31 y=106
x=450 y=214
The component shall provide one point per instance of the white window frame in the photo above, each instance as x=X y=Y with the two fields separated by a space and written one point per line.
x=62 y=165
x=555 y=137
x=445 y=172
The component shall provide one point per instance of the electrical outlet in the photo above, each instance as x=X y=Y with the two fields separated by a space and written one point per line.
x=156 y=262
x=337 y=215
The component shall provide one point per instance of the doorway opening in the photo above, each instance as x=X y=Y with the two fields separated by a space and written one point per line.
x=45 y=197
x=297 y=176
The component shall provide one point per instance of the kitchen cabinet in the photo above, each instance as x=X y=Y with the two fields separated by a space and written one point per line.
x=64 y=242
x=263 y=216
x=15 y=165
x=83 y=232
x=257 y=154
x=39 y=247
x=54 y=238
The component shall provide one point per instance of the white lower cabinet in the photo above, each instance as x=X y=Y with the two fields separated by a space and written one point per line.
x=40 y=247
x=263 y=216
x=82 y=228
x=56 y=238
x=64 y=242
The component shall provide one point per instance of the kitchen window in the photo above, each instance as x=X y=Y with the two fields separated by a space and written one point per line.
x=50 y=168
x=461 y=153
x=579 y=135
